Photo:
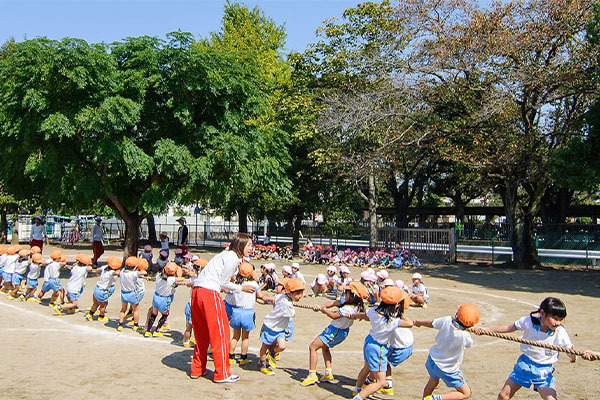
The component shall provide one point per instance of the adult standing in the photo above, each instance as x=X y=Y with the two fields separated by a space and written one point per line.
x=209 y=319
x=97 y=241
x=38 y=233
x=182 y=236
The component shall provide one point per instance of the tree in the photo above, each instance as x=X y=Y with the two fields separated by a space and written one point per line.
x=128 y=124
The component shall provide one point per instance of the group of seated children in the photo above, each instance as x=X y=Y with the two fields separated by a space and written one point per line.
x=271 y=252
x=362 y=257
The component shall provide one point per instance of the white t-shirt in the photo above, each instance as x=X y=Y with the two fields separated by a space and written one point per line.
x=450 y=344
x=11 y=263
x=218 y=272
x=283 y=310
x=97 y=235
x=401 y=338
x=2 y=259
x=331 y=278
x=343 y=322
x=420 y=289
x=560 y=337
x=165 y=287
x=107 y=278
x=129 y=280
x=77 y=279
x=301 y=277
x=139 y=285
x=37 y=232
x=380 y=328
x=52 y=270
x=21 y=266
x=344 y=281
x=243 y=299
x=34 y=271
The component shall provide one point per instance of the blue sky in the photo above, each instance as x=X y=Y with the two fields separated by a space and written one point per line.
x=111 y=20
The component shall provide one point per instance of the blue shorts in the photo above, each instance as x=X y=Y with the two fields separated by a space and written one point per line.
x=268 y=336
x=32 y=283
x=240 y=318
x=162 y=303
x=75 y=295
x=7 y=277
x=51 y=284
x=451 y=379
x=188 y=312
x=332 y=336
x=289 y=332
x=398 y=356
x=375 y=354
x=17 y=278
x=134 y=297
x=102 y=295
x=527 y=373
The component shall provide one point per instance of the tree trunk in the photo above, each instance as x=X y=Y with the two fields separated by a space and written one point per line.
x=372 y=212
x=296 y=230
x=3 y=226
x=521 y=227
x=132 y=234
x=401 y=201
x=151 y=229
x=243 y=219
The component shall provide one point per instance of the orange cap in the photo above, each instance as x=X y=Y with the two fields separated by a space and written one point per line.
x=36 y=249
x=132 y=261
x=358 y=289
x=24 y=253
x=143 y=264
x=293 y=284
x=3 y=249
x=18 y=247
x=201 y=262
x=282 y=281
x=393 y=295
x=468 y=314
x=179 y=272
x=84 y=259
x=55 y=255
x=62 y=258
x=37 y=258
x=171 y=268
x=114 y=262
x=11 y=250
x=246 y=269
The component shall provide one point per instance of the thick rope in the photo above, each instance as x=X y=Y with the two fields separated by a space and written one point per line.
x=533 y=343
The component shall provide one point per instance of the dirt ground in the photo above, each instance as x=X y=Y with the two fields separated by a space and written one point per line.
x=45 y=356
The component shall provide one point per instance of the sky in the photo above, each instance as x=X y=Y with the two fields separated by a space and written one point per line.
x=112 y=20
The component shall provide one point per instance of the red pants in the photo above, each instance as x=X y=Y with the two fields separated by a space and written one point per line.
x=38 y=243
x=211 y=325
x=98 y=250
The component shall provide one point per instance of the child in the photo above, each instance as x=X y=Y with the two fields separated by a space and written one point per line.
x=10 y=264
x=178 y=257
x=446 y=355
x=332 y=279
x=3 y=255
x=19 y=273
x=51 y=277
x=37 y=261
x=286 y=271
x=384 y=320
x=130 y=290
x=419 y=295
x=273 y=331
x=267 y=279
x=76 y=283
x=146 y=254
x=319 y=285
x=414 y=260
x=240 y=311
x=534 y=366
x=164 y=243
x=344 y=278
x=296 y=272
x=104 y=288
x=369 y=280
x=336 y=332
x=401 y=285
x=164 y=293
x=162 y=260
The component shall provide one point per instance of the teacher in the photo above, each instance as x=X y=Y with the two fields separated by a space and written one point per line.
x=38 y=232
x=209 y=319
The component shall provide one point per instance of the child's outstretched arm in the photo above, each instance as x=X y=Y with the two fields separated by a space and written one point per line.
x=418 y=324
x=359 y=316
x=265 y=297
x=497 y=328
x=406 y=322
x=330 y=314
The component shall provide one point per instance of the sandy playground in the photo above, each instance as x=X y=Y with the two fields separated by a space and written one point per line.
x=45 y=356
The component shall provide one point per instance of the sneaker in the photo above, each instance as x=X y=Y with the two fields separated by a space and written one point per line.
x=310 y=380
x=89 y=317
x=34 y=299
x=102 y=318
x=198 y=376
x=230 y=379
x=136 y=327
x=120 y=327
x=326 y=378
x=433 y=397
x=22 y=298
x=267 y=370
x=72 y=310
x=232 y=361
x=277 y=357
x=57 y=310
x=157 y=334
x=271 y=361
x=386 y=390
x=166 y=327
x=243 y=361
x=147 y=334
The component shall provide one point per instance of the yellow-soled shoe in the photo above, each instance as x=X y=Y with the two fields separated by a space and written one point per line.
x=147 y=334
x=157 y=334
x=267 y=370
x=386 y=390
x=311 y=380
x=243 y=361
x=271 y=361
x=326 y=378
x=277 y=357
x=232 y=361
x=103 y=318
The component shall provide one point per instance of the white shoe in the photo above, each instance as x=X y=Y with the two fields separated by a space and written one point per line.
x=231 y=379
